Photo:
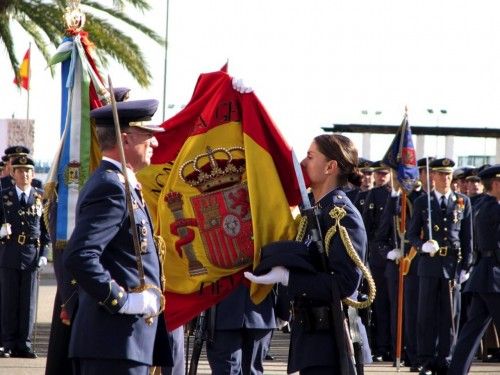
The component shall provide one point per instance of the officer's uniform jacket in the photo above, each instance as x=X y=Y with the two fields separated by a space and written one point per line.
x=452 y=231
x=374 y=206
x=315 y=290
x=100 y=256
x=485 y=277
x=29 y=238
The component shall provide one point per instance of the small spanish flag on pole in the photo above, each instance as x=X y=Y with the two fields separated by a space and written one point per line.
x=22 y=77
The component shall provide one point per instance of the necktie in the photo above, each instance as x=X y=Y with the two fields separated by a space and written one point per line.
x=443 y=203
x=23 y=199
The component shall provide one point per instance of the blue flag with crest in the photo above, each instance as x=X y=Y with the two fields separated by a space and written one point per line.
x=401 y=156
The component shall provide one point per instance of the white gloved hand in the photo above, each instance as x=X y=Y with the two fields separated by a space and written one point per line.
x=5 y=230
x=42 y=262
x=146 y=303
x=394 y=254
x=463 y=277
x=430 y=247
x=239 y=86
x=277 y=274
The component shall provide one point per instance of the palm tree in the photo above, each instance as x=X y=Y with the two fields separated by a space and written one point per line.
x=43 y=20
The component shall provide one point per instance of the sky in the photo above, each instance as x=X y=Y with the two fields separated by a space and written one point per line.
x=312 y=64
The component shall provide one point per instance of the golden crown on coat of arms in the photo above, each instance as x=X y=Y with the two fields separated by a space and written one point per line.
x=215 y=169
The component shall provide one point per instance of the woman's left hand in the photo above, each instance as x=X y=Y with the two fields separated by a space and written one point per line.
x=277 y=274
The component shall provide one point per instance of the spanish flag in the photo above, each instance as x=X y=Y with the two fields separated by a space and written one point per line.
x=23 y=75
x=220 y=187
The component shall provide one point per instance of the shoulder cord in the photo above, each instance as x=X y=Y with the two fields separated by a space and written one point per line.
x=337 y=213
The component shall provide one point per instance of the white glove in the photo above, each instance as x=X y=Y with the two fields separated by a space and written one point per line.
x=277 y=274
x=144 y=303
x=394 y=254
x=430 y=247
x=239 y=86
x=42 y=262
x=5 y=230
x=463 y=277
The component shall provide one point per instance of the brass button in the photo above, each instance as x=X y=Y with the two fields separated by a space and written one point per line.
x=114 y=302
x=73 y=282
x=120 y=295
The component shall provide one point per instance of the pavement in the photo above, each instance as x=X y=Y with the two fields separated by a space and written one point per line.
x=279 y=347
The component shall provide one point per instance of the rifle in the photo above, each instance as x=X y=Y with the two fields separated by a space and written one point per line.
x=200 y=333
x=338 y=318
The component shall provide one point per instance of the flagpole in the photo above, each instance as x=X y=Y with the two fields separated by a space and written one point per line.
x=428 y=198
x=165 y=62
x=29 y=88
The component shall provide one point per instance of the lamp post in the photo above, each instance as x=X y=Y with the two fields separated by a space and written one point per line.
x=366 y=136
x=449 y=141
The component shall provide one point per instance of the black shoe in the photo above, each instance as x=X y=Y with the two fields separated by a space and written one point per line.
x=24 y=354
x=415 y=368
x=401 y=364
x=378 y=358
x=269 y=357
x=426 y=371
x=5 y=353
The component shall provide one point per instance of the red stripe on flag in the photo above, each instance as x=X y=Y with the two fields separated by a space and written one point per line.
x=23 y=75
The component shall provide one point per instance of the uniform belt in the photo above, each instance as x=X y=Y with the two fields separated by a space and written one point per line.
x=443 y=251
x=22 y=239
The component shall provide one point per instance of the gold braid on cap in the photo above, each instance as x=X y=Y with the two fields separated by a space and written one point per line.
x=337 y=213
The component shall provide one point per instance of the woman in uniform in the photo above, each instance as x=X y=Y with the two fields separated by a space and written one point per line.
x=319 y=342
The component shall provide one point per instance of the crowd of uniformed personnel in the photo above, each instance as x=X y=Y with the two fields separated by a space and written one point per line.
x=452 y=232
x=444 y=245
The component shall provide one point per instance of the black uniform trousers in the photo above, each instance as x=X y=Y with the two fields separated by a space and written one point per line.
x=381 y=312
x=18 y=310
x=434 y=320
x=228 y=346
x=410 y=312
x=484 y=307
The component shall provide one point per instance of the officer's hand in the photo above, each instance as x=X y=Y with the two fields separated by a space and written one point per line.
x=42 y=262
x=394 y=254
x=463 y=277
x=5 y=230
x=146 y=303
x=239 y=86
x=277 y=274
x=430 y=247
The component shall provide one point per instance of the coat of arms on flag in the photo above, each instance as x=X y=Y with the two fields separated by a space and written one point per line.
x=220 y=188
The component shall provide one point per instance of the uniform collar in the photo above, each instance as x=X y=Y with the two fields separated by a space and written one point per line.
x=132 y=180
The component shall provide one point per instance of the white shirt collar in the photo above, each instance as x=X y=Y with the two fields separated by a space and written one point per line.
x=132 y=180
x=19 y=192
x=439 y=195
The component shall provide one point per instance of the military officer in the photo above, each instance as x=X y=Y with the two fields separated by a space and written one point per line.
x=410 y=309
x=484 y=283
x=444 y=261
x=314 y=347
x=117 y=329
x=24 y=250
x=2 y=166
x=375 y=202
x=358 y=195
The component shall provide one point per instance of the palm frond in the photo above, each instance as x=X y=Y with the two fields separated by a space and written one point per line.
x=6 y=38
x=123 y=17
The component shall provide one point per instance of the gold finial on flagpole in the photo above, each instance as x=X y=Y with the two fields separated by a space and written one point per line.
x=406 y=109
x=74 y=17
